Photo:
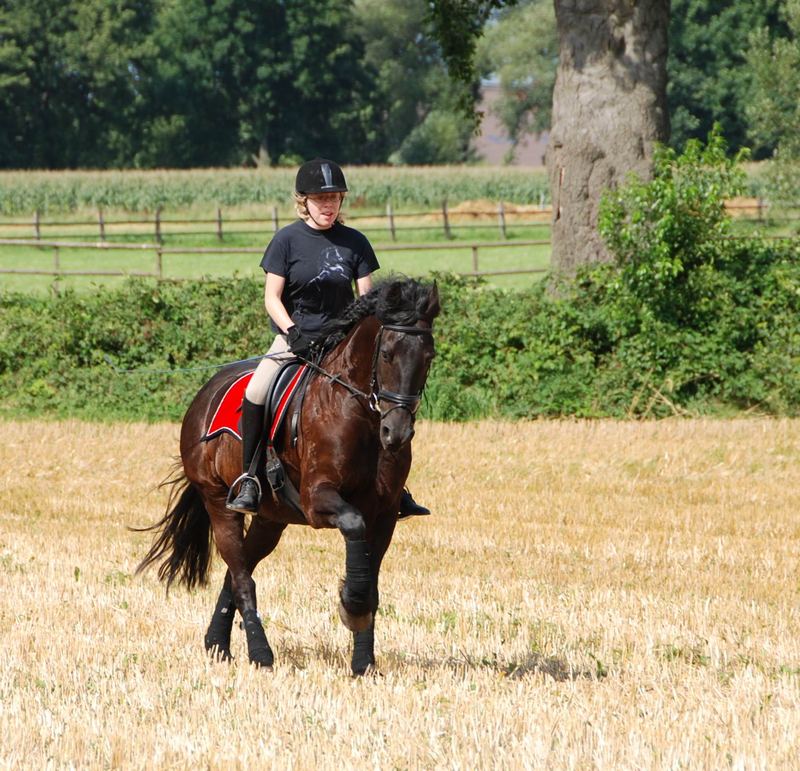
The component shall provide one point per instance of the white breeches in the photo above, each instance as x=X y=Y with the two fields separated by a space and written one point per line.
x=258 y=387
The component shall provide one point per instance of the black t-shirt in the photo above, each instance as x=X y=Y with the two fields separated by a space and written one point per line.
x=319 y=267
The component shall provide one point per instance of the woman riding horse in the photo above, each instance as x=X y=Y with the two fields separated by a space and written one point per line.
x=310 y=266
x=345 y=447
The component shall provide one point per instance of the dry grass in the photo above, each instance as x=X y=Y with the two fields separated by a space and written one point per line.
x=586 y=595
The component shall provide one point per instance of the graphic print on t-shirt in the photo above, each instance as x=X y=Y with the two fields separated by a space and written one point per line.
x=332 y=270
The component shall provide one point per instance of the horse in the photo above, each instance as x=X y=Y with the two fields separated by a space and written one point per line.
x=348 y=458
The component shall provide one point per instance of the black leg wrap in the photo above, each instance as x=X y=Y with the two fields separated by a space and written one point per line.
x=257 y=646
x=218 y=634
x=357 y=589
x=363 y=651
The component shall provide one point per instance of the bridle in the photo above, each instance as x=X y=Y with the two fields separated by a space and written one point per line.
x=378 y=394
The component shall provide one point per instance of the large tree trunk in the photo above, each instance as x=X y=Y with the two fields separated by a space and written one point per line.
x=609 y=106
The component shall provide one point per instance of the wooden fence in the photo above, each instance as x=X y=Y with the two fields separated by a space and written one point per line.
x=159 y=250
x=390 y=222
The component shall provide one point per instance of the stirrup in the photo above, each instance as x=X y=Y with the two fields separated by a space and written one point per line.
x=236 y=483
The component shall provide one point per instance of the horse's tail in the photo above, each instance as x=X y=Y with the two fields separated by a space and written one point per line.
x=184 y=537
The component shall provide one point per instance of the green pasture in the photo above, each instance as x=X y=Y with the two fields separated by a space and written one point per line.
x=433 y=248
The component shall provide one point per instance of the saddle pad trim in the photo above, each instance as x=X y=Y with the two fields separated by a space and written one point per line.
x=226 y=416
x=286 y=397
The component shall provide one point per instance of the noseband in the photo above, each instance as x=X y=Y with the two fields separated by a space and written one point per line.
x=378 y=394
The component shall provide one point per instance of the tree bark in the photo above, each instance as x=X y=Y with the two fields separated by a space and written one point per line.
x=609 y=107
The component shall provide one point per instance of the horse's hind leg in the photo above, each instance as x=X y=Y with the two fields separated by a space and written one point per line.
x=229 y=536
x=261 y=539
x=218 y=634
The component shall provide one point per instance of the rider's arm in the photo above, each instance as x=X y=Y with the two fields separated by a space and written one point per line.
x=364 y=284
x=273 y=289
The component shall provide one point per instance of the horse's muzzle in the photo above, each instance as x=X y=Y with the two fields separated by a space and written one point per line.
x=396 y=433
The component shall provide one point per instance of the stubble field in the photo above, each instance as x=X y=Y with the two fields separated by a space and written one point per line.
x=586 y=595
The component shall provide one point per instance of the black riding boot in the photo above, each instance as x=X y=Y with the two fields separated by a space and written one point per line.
x=409 y=507
x=249 y=495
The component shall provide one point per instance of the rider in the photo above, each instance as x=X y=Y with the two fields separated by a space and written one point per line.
x=310 y=266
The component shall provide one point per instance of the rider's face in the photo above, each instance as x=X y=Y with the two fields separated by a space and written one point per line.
x=323 y=209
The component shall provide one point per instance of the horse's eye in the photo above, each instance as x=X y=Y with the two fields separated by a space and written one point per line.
x=386 y=355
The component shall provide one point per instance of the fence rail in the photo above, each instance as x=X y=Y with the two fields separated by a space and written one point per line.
x=443 y=219
x=159 y=251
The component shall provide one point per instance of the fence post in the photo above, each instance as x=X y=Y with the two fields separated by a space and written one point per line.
x=275 y=219
x=475 y=258
x=501 y=215
x=101 y=222
x=219 y=224
x=36 y=229
x=390 y=217
x=159 y=264
x=56 y=267
x=158 y=225
x=447 y=232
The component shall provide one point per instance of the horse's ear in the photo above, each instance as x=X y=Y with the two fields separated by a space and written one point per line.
x=433 y=308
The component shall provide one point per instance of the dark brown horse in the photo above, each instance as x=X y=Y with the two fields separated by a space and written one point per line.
x=349 y=463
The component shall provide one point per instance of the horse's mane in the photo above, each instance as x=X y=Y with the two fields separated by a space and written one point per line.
x=391 y=300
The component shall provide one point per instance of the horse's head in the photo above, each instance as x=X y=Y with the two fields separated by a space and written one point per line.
x=403 y=355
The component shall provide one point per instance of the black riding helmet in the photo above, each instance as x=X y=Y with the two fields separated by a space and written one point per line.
x=320 y=176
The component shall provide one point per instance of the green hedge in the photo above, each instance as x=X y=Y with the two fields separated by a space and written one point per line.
x=499 y=353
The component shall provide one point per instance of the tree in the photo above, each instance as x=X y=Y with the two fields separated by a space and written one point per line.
x=710 y=77
x=609 y=108
x=67 y=79
x=520 y=48
x=774 y=110
x=243 y=81
x=609 y=103
x=416 y=103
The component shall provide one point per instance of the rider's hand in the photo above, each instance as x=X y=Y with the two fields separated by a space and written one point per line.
x=299 y=344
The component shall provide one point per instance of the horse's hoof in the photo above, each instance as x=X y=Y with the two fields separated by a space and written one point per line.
x=262 y=666
x=352 y=622
x=370 y=671
x=220 y=654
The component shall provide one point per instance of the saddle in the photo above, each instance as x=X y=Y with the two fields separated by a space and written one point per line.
x=290 y=380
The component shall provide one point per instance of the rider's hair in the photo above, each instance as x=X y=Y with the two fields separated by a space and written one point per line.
x=302 y=210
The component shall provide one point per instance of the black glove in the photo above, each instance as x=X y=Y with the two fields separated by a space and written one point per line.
x=299 y=344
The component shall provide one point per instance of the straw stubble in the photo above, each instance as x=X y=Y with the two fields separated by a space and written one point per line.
x=585 y=595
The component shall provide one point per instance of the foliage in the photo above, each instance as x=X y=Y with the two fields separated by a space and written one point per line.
x=774 y=109
x=520 y=49
x=710 y=74
x=441 y=138
x=411 y=80
x=457 y=26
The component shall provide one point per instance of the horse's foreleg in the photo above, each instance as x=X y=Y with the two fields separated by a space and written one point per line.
x=229 y=537
x=355 y=593
x=363 y=659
